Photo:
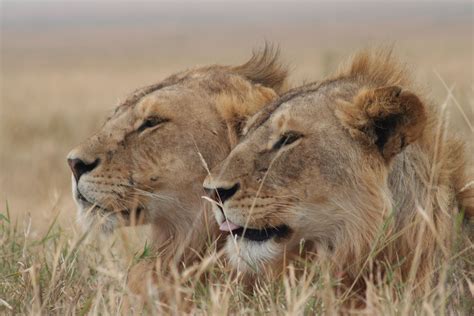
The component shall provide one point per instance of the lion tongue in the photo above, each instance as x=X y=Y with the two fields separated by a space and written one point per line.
x=228 y=226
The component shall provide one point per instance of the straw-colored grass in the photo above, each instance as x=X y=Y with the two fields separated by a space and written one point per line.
x=63 y=273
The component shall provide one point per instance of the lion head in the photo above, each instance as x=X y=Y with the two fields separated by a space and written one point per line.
x=147 y=162
x=331 y=166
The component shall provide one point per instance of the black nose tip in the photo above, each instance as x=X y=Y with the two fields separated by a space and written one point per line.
x=79 y=167
x=223 y=194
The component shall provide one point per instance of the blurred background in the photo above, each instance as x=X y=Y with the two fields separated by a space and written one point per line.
x=66 y=64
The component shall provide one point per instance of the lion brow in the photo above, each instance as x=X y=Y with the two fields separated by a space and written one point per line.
x=267 y=111
x=139 y=94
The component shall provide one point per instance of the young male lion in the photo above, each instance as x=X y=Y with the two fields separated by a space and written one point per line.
x=357 y=169
x=147 y=163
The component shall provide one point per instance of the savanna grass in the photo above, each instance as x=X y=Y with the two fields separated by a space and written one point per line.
x=62 y=273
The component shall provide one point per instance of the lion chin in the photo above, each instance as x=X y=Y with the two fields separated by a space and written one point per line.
x=91 y=216
x=251 y=249
x=251 y=256
x=89 y=219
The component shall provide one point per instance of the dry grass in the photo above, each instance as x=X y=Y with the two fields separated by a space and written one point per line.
x=63 y=273
x=59 y=83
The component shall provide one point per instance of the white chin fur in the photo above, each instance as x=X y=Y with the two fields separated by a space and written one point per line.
x=251 y=256
x=89 y=219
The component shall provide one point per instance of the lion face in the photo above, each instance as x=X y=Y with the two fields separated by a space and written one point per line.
x=278 y=184
x=144 y=162
x=304 y=162
x=148 y=161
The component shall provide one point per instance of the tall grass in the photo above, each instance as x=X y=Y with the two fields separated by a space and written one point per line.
x=62 y=273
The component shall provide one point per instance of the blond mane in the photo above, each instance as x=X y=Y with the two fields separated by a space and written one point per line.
x=265 y=68
x=377 y=67
x=430 y=185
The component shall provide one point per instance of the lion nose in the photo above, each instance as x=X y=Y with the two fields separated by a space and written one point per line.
x=222 y=193
x=79 y=167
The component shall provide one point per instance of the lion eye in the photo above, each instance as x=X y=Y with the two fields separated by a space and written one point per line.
x=287 y=139
x=151 y=121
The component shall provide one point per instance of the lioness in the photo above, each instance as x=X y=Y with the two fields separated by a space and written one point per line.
x=148 y=161
x=352 y=168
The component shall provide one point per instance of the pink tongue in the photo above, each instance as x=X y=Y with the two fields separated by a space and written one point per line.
x=227 y=226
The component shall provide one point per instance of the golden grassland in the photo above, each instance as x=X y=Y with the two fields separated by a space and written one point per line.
x=59 y=83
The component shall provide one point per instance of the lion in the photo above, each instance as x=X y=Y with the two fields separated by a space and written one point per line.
x=147 y=162
x=357 y=171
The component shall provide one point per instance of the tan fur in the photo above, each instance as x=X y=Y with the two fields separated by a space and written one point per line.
x=236 y=108
x=264 y=68
x=154 y=174
x=375 y=180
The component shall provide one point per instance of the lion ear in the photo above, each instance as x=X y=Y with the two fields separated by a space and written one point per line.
x=235 y=109
x=387 y=118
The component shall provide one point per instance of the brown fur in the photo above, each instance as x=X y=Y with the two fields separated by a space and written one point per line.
x=154 y=174
x=385 y=106
x=375 y=178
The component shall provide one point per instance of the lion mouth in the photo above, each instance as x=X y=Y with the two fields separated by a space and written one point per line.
x=125 y=214
x=253 y=234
